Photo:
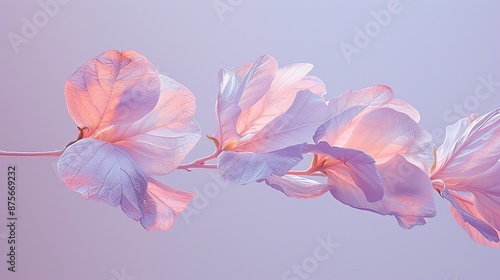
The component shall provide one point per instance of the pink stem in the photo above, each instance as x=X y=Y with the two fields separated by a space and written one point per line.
x=200 y=163
x=203 y=166
x=305 y=173
x=32 y=154
x=313 y=170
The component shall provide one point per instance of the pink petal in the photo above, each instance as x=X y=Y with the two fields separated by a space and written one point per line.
x=351 y=106
x=372 y=98
x=280 y=96
x=334 y=129
x=114 y=88
x=407 y=193
x=242 y=71
x=297 y=186
x=479 y=195
x=453 y=133
x=486 y=189
x=296 y=125
x=464 y=213
x=403 y=107
x=356 y=165
x=226 y=107
x=311 y=83
x=257 y=80
x=384 y=133
x=466 y=173
x=162 y=205
x=473 y=233
x=471 y=146
x=238 y=91
x=246 y=167
x=160 y=140
x=104 y=172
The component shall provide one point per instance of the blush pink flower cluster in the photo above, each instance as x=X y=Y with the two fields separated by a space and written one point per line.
x=367 y=147
x=367 y=144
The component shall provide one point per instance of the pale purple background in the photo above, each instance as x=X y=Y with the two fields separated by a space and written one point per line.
x=431 y=54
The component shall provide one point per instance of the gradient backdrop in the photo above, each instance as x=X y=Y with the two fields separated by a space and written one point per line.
x=433 y=55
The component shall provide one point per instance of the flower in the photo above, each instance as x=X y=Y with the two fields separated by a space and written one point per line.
x=375 y=156
x=134 y=123
x=466 y=174
x=265 y=115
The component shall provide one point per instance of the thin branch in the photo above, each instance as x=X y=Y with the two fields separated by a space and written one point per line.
x=305 y=173
x=200 y=163
x=55 y=153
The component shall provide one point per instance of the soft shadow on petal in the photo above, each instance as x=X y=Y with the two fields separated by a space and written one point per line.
x=296 y=125
x=349 y=107
x=256 y=81
x=473 y=233
x=114 y=88
x=354 y=164
x=466 y=216
x=407 y=193
x=384 y=133
x=104 y=172
x=334 y=129
x=238 y=91
x=486 y=189
x=287 y=82
x=160 y=140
